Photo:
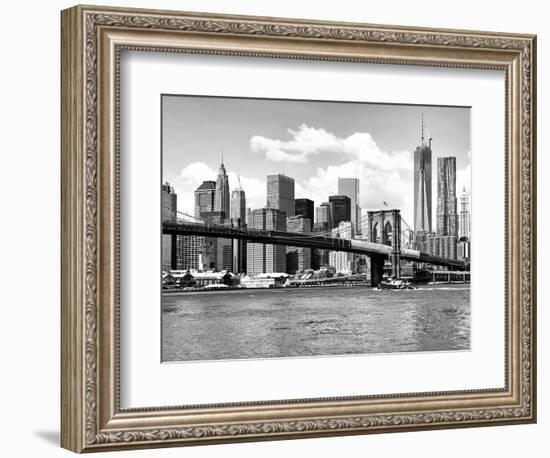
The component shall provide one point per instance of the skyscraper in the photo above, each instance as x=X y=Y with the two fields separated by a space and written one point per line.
x=340 y=209
x=238 y=218
x=447 y=220
x=204 y=198
x=261 y=258
x=350 y=187
x=169 y=202
x=298 y=259
x=238 y=207
x=221 y=199
x=323 y=216
x=423 y=186
x=304 y=207
x=280 y=193
x=464 y=226
x=343 y=262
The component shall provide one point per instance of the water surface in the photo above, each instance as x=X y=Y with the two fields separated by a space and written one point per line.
x=267 y=323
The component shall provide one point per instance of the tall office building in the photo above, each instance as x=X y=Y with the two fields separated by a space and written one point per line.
x=464 y=222
x=238 y=207
x=204 y=198
x=343 y=262
x=262 y=258
x=189 y=252
x=323 y=215
x=298 y=259
x=447 y=220
x=238 y=219
x=340 y=209
x=444 y=246
x=204 y=209
x=423 y=186
x=350 y=187
x=169 y=202
x=304 y=208
x=221 y=198
x=280 y=193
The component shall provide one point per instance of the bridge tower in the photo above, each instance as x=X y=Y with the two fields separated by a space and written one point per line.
x=384 y=227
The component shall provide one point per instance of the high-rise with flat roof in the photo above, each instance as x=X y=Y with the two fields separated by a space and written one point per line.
x=343 y=262
x=298 y=259
x=238 y=219
x=304 y=208
x=340 y=209
x=264 y=258
x=323 y=216
x=447 y=220
x=280 y=193
x=350 y=187
x=204 y=198
x=238 y=207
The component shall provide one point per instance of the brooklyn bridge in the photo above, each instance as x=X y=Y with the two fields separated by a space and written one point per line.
x=386 y=240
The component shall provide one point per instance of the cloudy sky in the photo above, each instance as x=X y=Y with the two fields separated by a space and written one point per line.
x=313 y=142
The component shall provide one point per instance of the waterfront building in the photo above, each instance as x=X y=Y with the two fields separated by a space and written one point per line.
x=280 y=193
x=447 y=220
x=304 y=207
x=169 y=203
x=204 y=198
x=221 y=197
x=343 y=262
x=248 y=215
x=298 y=259
x=340 y=210
x=264 y=258
x=323 y=215
x=350 y=187
x=423 y=186
x=464 y=222
x=267 y=280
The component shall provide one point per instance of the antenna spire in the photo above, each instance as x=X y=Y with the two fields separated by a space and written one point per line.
x=222 y=156
x=423 y=129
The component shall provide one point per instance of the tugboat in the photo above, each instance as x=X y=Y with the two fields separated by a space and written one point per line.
x=394 y=283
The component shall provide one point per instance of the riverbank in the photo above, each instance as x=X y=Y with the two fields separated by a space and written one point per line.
x=178 y=292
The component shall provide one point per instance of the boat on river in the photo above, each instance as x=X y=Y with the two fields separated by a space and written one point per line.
x=394 y=283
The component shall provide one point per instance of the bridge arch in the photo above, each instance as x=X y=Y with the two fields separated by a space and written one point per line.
x=384 y=226
x=388 y=232
x=375 y=235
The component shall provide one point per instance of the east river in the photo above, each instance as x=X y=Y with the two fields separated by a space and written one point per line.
x=266 y=323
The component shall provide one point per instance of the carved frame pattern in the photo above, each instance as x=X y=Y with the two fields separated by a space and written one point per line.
x=89 y=21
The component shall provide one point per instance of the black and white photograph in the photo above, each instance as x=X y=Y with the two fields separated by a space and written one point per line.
x=299 y=228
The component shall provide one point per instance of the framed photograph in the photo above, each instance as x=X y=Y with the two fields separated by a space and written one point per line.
x=277 y=228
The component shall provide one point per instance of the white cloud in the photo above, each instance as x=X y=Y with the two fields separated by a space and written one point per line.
x=384 y=176
x=305 y=141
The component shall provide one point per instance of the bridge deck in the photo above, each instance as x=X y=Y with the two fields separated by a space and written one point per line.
x=302 y=240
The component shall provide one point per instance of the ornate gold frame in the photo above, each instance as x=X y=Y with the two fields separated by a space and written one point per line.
x=92 y=38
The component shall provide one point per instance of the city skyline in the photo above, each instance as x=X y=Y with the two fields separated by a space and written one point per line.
x=316 y=154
